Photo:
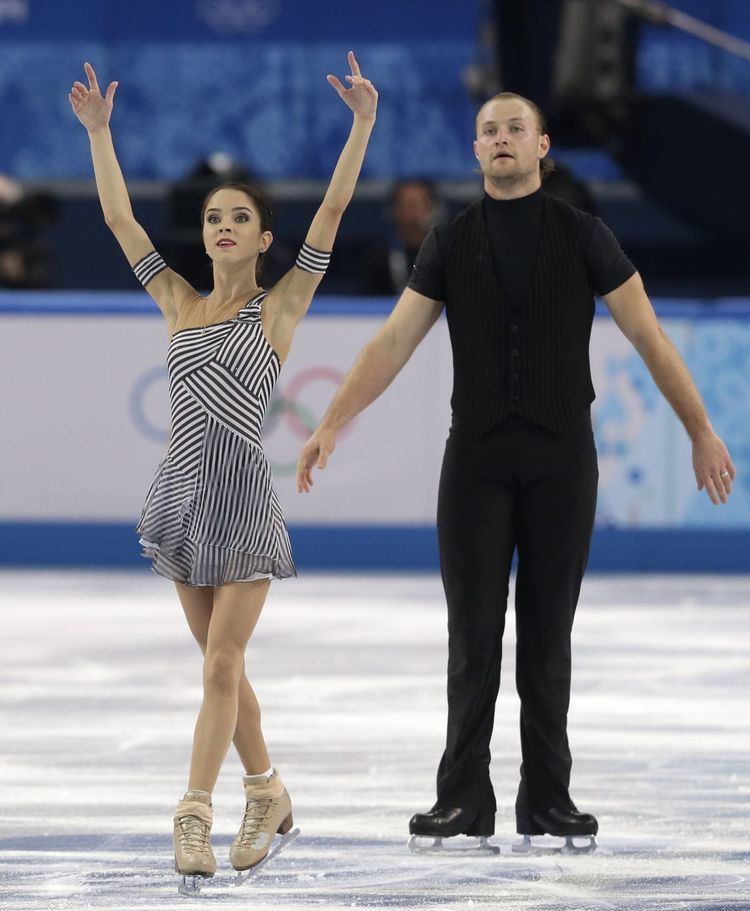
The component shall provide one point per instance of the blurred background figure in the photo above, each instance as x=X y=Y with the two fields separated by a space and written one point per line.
x=413 y=207
x=26 y=257
x=563 y=183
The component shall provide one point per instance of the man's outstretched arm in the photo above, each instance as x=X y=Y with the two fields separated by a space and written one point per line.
x=633 y=313
x=374 y=370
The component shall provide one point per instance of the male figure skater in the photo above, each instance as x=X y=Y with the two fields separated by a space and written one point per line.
x=516 y=272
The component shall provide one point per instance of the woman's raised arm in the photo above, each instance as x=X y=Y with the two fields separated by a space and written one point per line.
x=94 y=111
x=294 y=292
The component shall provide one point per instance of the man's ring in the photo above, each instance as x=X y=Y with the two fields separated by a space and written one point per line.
x=724 y=474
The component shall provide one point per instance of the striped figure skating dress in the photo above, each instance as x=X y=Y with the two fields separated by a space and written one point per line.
x=211 y=515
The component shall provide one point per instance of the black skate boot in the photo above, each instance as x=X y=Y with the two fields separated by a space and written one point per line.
x=568 y=824
x=447 y=822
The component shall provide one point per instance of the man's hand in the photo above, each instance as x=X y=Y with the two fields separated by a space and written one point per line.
x=315 y=452
x=713 y=467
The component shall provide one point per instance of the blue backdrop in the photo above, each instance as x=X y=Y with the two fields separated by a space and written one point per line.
x=246 y=77
x=672 y=61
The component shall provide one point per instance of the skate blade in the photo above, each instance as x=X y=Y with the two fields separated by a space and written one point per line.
x=527 y=846
x=191 y=883
x=276 y=848
x=480 y=845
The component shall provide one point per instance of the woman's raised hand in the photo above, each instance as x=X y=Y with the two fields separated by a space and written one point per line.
x=361 y=96
x=88 y=105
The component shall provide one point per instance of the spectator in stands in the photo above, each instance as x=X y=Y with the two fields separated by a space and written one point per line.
x=413 y=208
x=561 y=182
x=25 y=252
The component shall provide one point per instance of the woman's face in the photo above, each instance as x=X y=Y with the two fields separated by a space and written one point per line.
x=231 y=228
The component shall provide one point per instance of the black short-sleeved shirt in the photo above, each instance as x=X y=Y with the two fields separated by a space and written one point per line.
x=514 y=228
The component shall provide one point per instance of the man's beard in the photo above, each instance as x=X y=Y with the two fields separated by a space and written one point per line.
x=509 y=180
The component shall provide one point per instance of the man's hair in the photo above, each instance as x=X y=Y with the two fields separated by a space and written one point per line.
x=545 y=165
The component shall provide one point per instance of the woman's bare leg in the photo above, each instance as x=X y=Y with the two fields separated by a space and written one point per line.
x=198 y=605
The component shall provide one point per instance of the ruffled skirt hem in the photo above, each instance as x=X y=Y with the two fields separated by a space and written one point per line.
x=208 y=565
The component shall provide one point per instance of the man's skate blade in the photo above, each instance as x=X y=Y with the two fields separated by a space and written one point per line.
x=441 y=845
x=276 y=848
x=572 y=845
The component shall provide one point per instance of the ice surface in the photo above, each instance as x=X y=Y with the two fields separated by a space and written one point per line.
x=100 y=686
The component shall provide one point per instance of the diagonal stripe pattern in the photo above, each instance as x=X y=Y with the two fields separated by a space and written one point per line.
x=211 y=515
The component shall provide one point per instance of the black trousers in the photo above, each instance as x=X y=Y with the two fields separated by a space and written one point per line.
x=519 y=487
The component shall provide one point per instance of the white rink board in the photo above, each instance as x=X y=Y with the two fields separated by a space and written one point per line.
x=85 y=417
x=89 y=416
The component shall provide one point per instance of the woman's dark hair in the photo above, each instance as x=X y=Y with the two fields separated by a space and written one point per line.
x=545 y=165
x=262 y=202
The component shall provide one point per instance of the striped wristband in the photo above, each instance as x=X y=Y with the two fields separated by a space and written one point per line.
x=149 y=267
x=312 y=260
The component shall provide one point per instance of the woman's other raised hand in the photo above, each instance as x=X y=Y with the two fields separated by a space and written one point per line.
x=361 y=96
x=89 y=106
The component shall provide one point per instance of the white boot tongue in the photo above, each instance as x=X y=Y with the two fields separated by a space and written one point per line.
x=260 y=778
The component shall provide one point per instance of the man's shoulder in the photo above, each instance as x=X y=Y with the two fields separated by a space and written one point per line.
x=468 y=211
x=447 y=229
x=579 y=220
x=566 y=209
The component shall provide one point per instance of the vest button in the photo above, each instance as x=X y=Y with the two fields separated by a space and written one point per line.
x=514 y=398
x=514 y=352
x=514 y=328
x=514 y=377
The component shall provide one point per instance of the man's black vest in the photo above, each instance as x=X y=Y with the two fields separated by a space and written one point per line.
x=533 y=361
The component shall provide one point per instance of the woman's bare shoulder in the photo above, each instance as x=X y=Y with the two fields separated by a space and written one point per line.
x=189 y=314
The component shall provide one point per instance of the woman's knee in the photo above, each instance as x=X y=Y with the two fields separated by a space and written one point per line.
x=222 y=669
x=201 y=637
x=249 y=705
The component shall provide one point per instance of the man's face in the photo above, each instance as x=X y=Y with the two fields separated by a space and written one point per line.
x=509 y=144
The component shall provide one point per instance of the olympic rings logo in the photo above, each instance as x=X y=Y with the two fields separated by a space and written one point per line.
x=238 y=17
x=138 y=405
x=290 y=409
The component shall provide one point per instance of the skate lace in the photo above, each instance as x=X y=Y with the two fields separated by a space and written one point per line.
x=193 y=833
x=256 y=814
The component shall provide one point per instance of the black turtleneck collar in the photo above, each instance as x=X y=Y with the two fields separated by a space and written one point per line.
x=514 y=227
x=520 y=204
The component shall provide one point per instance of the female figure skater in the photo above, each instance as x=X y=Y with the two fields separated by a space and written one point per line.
x=211 y=521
